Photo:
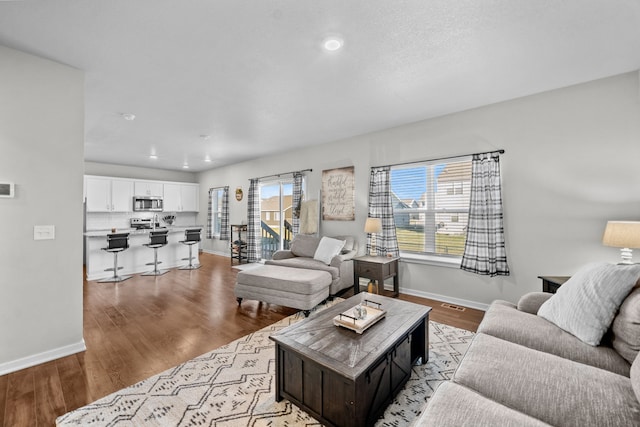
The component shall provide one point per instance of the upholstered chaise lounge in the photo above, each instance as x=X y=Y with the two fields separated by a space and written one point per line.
x=301 y=255
x=303 y=276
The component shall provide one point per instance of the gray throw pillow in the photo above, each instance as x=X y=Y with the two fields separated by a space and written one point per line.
x=585 y=304
x=626 y=326
x=303 y=245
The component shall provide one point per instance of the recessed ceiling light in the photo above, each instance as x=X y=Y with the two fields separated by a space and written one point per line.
x=129 y=116
x=185 y=166
x=153 y=157
x=332 y=43
x=207 y=159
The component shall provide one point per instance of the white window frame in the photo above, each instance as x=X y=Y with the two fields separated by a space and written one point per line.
x=216 y=211
x=432 y=257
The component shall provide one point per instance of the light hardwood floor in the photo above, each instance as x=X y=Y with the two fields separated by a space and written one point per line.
x=144 y=326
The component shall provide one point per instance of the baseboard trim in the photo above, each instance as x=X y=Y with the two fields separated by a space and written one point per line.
x=444 y=298
x=224 y=254
x=46 y=356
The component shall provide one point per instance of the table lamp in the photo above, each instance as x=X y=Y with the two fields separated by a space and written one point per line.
x=624 y=235
x=373 y=226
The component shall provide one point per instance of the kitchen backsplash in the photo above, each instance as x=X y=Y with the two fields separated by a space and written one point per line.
x=107 y=220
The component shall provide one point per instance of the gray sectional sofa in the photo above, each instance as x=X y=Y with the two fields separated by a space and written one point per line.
x=522 y=370
x=303 y=247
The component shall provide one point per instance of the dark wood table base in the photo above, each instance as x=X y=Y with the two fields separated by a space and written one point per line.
x=342 y=378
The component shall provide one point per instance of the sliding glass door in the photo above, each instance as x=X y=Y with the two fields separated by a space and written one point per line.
x=276 y=210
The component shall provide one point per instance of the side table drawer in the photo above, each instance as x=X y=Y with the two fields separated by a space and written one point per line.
x=366 y=269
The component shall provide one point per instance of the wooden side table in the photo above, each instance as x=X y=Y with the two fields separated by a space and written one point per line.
x=552 y=283
x=376 y=268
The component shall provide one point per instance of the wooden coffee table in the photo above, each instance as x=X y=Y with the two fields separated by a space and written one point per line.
x=342 y=378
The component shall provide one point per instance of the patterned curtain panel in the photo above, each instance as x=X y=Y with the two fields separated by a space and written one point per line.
x=297 y=201
x=254 y=251
x=210 y=214
x=224 y=215
x=484 y=251
x=381 y=206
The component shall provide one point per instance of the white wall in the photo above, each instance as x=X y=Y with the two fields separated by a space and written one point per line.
x=121 y=171
x=571 y=163
x=42 y=148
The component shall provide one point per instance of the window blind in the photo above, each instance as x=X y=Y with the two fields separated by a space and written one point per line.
x=431 y=206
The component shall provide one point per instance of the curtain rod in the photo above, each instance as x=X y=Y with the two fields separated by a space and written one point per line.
x=217 y=188
x=501 y=151
x=278 y=175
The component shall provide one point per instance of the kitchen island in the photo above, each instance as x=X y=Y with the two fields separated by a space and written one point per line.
x=134 y=259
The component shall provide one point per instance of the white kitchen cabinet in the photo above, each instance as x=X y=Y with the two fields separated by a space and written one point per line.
x=109 y=195
x=148 y=188
x=172 y=197
x=122 y=195
x=189 y=195
x=181 y=198
x=98 y=194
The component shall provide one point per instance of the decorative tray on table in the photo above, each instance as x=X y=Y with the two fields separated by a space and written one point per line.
x=361 y=317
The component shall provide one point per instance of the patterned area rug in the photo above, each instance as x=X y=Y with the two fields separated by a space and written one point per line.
x=234 y=386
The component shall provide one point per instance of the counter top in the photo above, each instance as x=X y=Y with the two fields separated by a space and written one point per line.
x=137 y=257
x=134 y=232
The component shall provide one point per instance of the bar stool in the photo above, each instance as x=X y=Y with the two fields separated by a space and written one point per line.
x=191 y=237
x=157 y=239
x=117 y=242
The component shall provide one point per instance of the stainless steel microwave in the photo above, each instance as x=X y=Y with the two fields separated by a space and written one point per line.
x=147 y=204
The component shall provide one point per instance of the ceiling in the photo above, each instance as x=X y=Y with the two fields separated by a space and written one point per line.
x=238 y=79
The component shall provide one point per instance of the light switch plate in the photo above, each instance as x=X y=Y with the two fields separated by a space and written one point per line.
x=7 y=189
x=44 y=232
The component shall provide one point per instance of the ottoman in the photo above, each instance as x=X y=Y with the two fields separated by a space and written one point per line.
x=291 y=287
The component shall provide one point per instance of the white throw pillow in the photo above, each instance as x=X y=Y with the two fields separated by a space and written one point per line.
x=586 y=304
x=327 y=249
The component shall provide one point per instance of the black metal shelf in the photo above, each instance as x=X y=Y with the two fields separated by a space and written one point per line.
x=238 y=246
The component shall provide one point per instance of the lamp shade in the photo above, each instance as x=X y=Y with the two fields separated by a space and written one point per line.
x=622 y=234
x=373 y=225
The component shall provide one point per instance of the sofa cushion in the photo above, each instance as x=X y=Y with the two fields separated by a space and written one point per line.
x=327 y=249
x=303 y=245
x=307 y=263
x=453 y=405
x=554 y=390
x=503 y=320
x=626 y=327
x=586 y=304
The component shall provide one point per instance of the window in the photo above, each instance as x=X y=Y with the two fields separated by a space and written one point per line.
x=275 y=205
x=454 y=188
x=216 y=210
x=431 y=207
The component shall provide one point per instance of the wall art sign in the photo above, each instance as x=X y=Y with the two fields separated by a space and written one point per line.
x=338 y=194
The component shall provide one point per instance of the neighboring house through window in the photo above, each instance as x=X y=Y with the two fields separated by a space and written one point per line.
x=431 y=208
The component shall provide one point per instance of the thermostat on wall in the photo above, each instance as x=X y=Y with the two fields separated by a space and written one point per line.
x=6 y=189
